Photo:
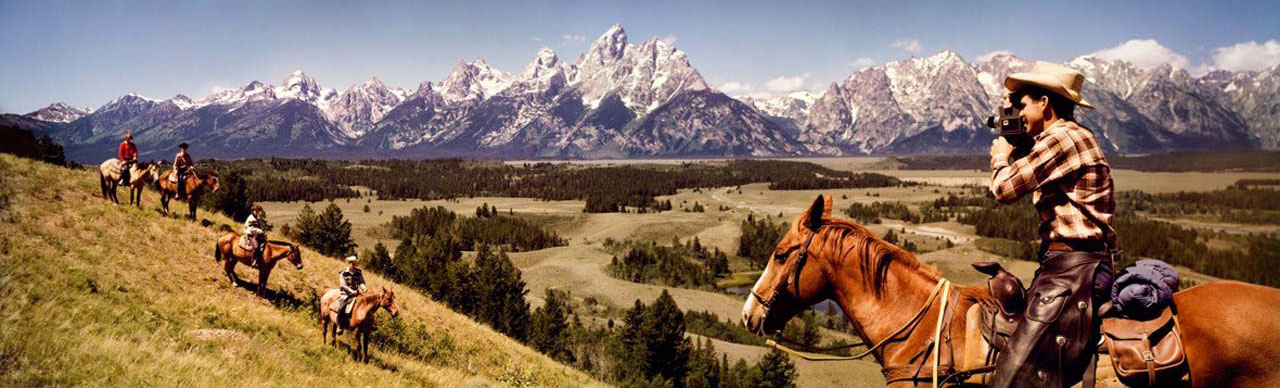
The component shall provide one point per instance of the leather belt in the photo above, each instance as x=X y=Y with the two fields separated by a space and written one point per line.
x=1076 y=245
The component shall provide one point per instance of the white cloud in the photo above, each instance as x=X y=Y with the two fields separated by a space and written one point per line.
x=910 y=45
x=862 y=63
x=984 y=58
x=670 y=40
x=1247 y=56
x=786 y=84
x=535 y=39
x=736 y=88
x=572 y=40
x=1144 y=53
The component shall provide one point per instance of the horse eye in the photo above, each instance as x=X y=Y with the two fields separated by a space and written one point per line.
x=780 y=256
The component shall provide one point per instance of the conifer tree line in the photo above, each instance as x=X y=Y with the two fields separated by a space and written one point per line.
x=688 y=264
x=605 y=189
x=759 y=237
x=490 y=227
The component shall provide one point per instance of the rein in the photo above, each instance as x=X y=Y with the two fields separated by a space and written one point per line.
x=943 y=285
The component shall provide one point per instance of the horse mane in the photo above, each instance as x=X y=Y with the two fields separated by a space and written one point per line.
x=852 y=239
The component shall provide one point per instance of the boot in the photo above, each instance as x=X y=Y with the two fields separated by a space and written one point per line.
x=257 y=258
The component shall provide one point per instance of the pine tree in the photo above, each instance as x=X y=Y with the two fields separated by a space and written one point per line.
x=232 y=198
x=774 y=370
x=379 y=260
x=548 y=332
x=500 y=294
x=666 y=350
x=328 y=232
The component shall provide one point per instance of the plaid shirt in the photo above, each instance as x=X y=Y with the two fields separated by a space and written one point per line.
x=1070 y=178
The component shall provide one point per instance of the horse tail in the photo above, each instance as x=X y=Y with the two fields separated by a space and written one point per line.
x=217 y=251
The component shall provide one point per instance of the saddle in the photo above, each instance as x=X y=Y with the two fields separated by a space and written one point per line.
x=246 y=242
x=1143 y=353
x=1146 y=353
x=1000 y=315
x=344 y=311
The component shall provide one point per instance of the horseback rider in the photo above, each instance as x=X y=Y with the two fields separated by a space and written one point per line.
x=181 y=165
x=128 y=156
x=1073 y=192
x=255 y=227
x=351 y=284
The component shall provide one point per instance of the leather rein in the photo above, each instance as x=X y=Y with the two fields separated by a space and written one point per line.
x=943 y=285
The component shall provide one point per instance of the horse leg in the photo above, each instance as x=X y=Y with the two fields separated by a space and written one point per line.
x=230 y=267
x=164 y=202
x=191 y=206
x=364 y=346
x=263 y=274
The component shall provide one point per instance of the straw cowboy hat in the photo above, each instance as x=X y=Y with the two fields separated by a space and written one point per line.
x=351 y=259
x=1053 y=77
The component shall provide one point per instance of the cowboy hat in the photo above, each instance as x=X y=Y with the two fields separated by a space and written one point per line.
x=1061 y=80
x=351 y=259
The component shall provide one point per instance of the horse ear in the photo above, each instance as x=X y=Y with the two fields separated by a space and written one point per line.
x=826 y=208
x=818 y=213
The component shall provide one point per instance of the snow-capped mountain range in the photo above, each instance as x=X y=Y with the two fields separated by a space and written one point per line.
x=623 y=99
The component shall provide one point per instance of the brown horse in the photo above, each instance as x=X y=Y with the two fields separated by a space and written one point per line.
x=197 y=186
x=1230 y=329
x=228 y=246
x=139 y=175
x=361 y=320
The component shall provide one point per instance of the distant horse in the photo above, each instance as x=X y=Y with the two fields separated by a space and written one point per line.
x=140 y=174
x=361 y=321
x=1229 y=329
x=228 y=246
x=197 y=186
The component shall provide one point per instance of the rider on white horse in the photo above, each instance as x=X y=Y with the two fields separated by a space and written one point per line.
x=128 y=156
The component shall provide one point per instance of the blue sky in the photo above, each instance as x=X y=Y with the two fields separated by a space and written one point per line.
x=85 y=53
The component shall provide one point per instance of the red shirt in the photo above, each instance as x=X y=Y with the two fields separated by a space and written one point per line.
x=182 y=160
x=128 y=151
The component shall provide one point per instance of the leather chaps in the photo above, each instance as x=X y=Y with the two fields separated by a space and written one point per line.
x=1059 y=334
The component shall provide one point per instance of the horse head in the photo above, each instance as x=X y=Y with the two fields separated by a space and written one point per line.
x=211 y=181
x=295 y=256
x=790 y=282
x=152 y=172
x=388 y=301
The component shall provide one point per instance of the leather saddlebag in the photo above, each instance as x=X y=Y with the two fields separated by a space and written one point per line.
x=1146 y=353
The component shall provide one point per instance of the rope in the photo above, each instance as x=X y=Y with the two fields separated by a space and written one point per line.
x=937 y=330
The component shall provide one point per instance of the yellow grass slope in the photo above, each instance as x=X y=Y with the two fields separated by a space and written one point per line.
x=93 y=293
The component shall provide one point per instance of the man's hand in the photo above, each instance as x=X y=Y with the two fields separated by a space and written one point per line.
x=1001 y=148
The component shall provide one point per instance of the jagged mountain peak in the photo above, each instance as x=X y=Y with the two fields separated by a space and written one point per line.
x=59 y=112
x=474 y=81
x=182 y=101
x=543 y=64
x=608 y=48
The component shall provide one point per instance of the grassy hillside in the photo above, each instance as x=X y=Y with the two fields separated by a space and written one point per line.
x=92 y=293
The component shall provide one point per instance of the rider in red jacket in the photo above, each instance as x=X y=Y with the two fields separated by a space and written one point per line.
x=181 y=165
x=128 y=155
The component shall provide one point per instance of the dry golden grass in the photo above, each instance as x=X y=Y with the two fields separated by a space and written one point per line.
x=100 y=294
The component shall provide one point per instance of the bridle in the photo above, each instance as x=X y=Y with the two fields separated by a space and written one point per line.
x=781 y=289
